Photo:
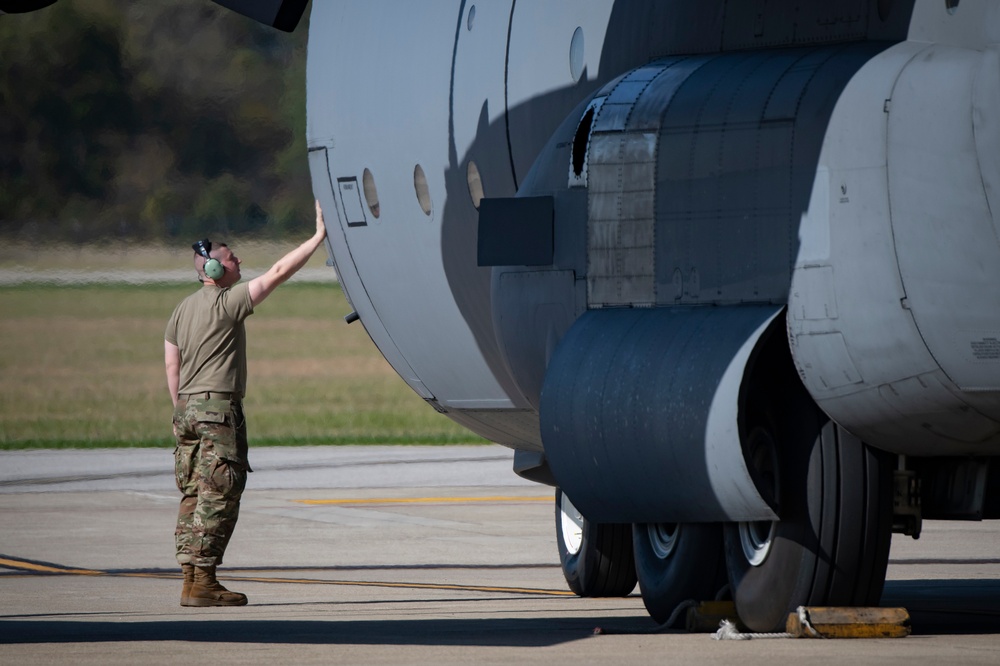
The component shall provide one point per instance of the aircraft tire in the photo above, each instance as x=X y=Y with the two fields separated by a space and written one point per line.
x=831 y=546
x=596 y=559
x=677 y=562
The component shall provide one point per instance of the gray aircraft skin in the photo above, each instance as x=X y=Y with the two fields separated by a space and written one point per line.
x=723 y=272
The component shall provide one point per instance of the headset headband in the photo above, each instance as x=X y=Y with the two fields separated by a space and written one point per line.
x=203 y=247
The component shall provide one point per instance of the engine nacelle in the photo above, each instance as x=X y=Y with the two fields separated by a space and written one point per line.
x=894 y=313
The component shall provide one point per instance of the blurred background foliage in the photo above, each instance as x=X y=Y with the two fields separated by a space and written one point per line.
x=145 y=119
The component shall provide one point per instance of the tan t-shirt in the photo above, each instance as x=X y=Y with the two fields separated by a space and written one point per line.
x=207 y=328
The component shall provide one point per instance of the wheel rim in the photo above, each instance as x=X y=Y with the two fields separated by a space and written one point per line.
x=756 y=537
x=663 y=538
x=571 y=522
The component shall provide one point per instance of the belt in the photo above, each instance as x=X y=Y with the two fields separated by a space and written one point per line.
x=213 y=395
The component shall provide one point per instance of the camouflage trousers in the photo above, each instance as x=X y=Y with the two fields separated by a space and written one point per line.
x=210 y=466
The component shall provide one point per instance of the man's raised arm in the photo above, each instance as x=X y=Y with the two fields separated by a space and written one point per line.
x=261 y=287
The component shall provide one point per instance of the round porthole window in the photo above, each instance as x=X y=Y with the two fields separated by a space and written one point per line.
x=475 y=184
x=420 y=186
x=371 y=194
x=576 y=54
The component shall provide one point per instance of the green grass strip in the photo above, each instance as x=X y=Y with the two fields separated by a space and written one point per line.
x=82 y=367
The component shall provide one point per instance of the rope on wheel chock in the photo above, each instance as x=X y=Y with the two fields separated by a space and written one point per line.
x=728 y=632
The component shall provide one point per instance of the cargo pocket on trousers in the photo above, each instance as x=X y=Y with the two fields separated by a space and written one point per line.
x=184 y=467
x=229 y=478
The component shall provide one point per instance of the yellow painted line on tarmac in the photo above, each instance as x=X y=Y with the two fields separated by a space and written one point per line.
x=412 y=586
x=44 y=568
x=428 y=500
x=37 y=568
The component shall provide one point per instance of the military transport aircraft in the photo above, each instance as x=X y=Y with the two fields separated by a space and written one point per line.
x=724 y=272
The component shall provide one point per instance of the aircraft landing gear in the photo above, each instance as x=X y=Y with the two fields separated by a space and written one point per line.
x=831 y=546
x=596 y=559
x=677 y=562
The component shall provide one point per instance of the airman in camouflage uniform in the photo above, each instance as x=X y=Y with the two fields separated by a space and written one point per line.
x=205 y=358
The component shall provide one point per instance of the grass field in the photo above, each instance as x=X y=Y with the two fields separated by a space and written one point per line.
x=83 y=367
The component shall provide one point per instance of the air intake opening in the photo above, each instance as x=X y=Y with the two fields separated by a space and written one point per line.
x=580 y=142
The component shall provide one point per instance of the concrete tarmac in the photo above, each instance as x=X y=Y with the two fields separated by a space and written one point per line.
x=389 y=555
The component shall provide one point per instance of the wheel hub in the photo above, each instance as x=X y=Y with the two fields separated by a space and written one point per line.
x=756 y=539
x=663 y=538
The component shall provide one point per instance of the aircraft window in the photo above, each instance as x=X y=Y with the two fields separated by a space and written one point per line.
x=580 y=141
x=471 y=18
x=371 y=194
x=576 y=54
x=475 y=184
x=951 y=6
x=423 y=193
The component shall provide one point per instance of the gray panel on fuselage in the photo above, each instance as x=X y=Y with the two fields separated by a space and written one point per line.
x=337 y=224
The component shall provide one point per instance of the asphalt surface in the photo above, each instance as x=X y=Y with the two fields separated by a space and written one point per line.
x=389 y=555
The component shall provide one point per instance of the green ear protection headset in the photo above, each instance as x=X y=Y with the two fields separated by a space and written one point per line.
x=213 y=267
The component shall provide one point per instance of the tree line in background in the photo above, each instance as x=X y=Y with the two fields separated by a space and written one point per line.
x=150 y=119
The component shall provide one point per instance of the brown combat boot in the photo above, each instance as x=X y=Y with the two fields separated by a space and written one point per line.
x=206 y=591
x=188 y=571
